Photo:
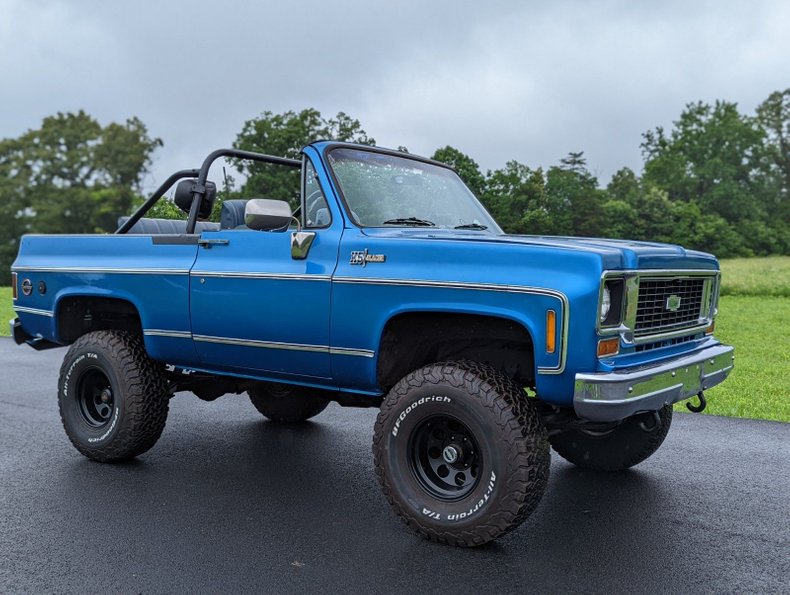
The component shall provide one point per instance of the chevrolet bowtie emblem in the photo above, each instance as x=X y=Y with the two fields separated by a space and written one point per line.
x=673 y=303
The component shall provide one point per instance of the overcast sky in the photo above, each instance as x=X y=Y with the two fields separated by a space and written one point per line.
x=499 y=80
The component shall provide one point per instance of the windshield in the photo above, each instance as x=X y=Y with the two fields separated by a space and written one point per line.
x=384 y=190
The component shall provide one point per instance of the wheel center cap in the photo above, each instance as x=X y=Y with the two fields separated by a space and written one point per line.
x=450 y=454
x=105 y=396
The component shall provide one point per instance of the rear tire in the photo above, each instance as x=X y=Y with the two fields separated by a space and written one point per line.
x=618 y=449
x=461 y=453
x=286 y=403
x=112 y=397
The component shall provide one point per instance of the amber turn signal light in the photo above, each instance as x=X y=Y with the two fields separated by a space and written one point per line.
x=709 y=330
x=13 y=285
x=551 y=331
x=608 y=347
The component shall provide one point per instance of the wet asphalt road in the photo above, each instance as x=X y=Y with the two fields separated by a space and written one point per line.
x=228 y=502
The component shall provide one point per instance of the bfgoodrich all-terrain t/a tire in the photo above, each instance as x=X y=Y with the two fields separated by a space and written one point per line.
x=113 y=398
x=628 y=444
x=461 y=453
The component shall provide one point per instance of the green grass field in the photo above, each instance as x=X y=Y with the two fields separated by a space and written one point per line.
x=6 y=313
x=759 y=328
x=754 y=315
x=768 y=276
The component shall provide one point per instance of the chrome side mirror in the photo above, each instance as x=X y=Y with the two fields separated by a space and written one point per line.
x=263 y=214
x=300 y=244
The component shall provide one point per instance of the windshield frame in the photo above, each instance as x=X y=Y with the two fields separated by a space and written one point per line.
x=495 y=229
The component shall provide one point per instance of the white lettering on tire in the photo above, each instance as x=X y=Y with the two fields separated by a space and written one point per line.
x=68 y=374
x=480 y=503
x=71 y=369
x=110 y=429
x=413 y=406
x=66 y=381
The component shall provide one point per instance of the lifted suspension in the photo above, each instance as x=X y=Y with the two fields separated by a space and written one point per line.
x=558 y=420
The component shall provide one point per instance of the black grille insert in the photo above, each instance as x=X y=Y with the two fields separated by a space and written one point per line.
x=668 y=304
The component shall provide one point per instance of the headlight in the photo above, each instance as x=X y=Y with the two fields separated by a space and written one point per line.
x=606 y=303
x=612 y=298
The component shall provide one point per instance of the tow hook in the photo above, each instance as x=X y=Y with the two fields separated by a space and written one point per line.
x=655 y=418
x=702 y=404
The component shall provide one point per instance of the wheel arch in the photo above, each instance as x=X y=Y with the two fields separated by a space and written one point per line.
x=414 y=336
x=82 y=310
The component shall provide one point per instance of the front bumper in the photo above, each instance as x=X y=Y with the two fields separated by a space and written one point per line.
x=616 y=395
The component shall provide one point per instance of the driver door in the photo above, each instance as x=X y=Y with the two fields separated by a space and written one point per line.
x=257 y=309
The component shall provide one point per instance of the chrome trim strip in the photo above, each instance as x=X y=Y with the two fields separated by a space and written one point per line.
x=155 y=332
x=664 y=335
x=249 y=275
x=86 y=270
x=348 y=351
x=663 y=272
x=285 y=346
x=36 y=311
x=566 y=312
x=262 y=344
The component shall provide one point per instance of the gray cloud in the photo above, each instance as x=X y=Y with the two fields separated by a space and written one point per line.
x=499 y=80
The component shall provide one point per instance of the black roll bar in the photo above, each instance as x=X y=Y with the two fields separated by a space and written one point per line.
x=159 y=193
x=199 y=187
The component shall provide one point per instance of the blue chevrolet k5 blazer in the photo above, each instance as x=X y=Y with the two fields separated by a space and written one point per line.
x=390 y=286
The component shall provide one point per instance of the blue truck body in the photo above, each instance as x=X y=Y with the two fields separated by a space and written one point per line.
x=241 y=306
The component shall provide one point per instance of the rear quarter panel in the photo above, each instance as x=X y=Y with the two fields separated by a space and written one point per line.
x=154 y=277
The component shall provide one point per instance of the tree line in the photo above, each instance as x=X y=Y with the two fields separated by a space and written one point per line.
x=718 y=180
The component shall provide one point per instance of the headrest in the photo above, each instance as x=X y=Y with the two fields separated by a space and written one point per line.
x=183 y=197
x=231 y=214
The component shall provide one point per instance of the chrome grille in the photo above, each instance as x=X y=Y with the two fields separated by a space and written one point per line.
x=657 y=309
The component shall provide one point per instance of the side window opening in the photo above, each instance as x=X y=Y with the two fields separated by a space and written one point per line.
x=315 y=209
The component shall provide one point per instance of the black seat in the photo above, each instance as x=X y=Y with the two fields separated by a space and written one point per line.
x=166 y=226
x=231 y=215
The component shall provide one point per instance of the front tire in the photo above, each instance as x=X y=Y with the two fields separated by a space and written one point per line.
x=626 y=445
x=286 y=403
x=461 y=453
x=112 y=397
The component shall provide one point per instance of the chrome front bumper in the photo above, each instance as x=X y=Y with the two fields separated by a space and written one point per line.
x=617 y=395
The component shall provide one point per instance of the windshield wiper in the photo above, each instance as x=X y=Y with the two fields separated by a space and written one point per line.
x=410 y=221
x=471 y=226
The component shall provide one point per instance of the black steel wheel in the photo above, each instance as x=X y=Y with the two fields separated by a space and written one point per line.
x=287 y=403
x=445 y=457
x=461 y=453
x=626 y=445
x=95 y=397
x=112 y=397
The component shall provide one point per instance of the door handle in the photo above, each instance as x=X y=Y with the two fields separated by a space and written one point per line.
x=208 y=243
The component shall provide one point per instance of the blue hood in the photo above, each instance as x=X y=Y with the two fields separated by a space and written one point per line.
x=614 y=254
